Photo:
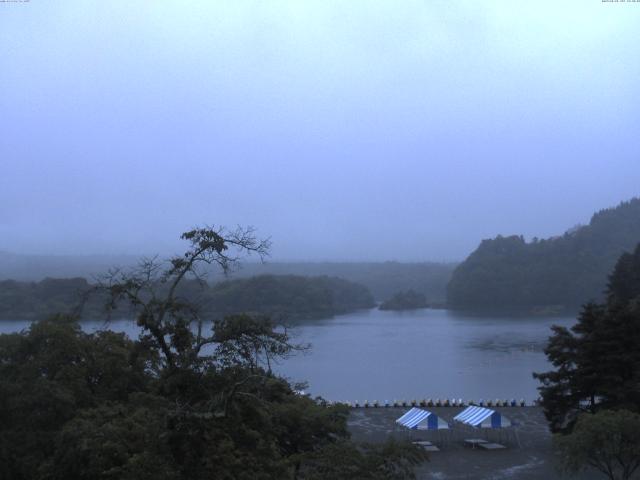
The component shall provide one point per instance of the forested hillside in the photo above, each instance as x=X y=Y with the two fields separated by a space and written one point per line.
x=552 y=274
x=383 y=279
x=290 y=296
x=282 y=296
x=35 y=300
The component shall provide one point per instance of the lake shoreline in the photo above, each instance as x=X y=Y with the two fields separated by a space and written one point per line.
x=410 y=355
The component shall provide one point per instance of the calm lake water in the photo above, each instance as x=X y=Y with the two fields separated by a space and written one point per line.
x=375 y=355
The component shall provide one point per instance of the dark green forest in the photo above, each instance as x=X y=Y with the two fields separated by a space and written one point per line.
x=591 y=397
x=101 y=406
x=407 y=300
x=383 y=279
x=546 y=275
x=597 y=361
x=286 y=297
x=37 y=300
x=188 y=399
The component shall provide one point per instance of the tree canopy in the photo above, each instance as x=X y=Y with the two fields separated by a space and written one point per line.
x=407 y=300
x=558 y=273
x=608 y=441
x=288 y=297
x=183 y=401
x=597 y=361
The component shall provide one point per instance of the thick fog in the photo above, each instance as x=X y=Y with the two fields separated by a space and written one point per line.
x=343 y=130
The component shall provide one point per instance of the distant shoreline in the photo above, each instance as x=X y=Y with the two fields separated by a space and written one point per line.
x=480 y=313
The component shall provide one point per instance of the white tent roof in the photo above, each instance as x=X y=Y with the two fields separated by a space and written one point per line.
x=482 y=417
x=420 y=419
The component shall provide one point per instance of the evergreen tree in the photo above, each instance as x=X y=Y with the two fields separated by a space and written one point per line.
x=597 y=361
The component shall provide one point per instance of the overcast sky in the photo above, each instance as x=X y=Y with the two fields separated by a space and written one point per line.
x=343 y=130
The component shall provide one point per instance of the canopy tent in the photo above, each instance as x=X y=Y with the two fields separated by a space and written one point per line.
x=419 y=419
x=481 y=417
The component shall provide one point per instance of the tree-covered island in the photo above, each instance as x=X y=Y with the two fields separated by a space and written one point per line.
x=289 y=297
x=407 y=300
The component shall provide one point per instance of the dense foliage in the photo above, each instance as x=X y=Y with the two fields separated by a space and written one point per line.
x=608 y=441
x=289 y=296
x=407 y=300
x=101 y=406
x=32 y=300
x=553 y=274
x=597 y=361
x=178 y=403
x=282 y=296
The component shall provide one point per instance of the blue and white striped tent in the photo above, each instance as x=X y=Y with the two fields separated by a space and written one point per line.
x=418 y=419
x=482 y=418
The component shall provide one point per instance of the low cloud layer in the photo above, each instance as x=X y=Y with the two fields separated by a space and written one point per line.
x=342 y=130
